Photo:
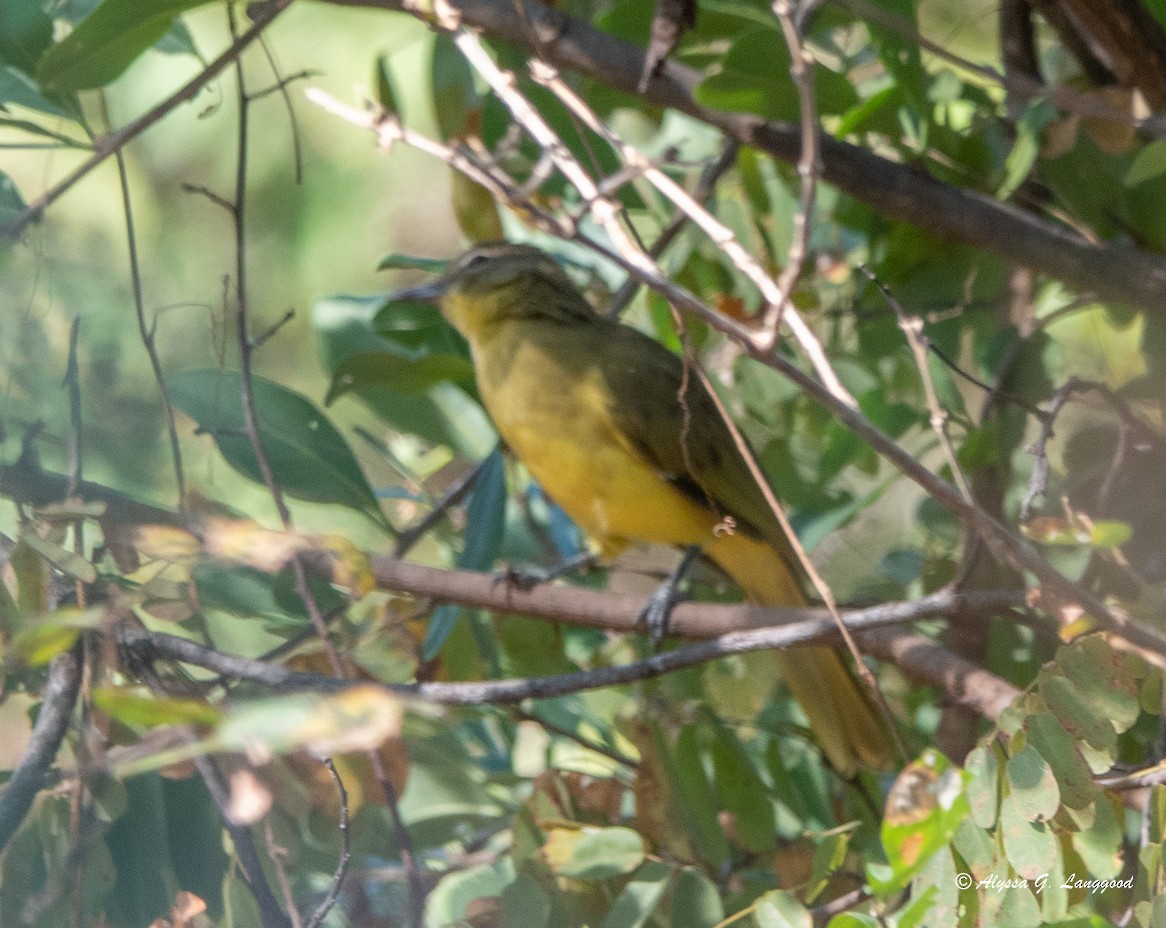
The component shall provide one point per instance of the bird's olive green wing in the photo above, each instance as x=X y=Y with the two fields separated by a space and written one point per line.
x=688 y=443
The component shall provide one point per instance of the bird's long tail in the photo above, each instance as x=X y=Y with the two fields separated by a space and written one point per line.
x=844 y=720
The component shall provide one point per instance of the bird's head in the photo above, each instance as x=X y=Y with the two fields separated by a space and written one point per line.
x=499 y=282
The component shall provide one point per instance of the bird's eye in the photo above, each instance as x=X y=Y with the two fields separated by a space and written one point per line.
x=476 y=261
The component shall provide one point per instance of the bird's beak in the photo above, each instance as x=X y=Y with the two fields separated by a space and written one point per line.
x=430 y=292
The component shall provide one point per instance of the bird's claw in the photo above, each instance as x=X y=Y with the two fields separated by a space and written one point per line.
x=525 y=578
x=656 y=615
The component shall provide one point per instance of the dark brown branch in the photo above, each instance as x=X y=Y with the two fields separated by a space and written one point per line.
x=918 y=656
x=60 y=694
x=1113 y=272
x=329 y=900
x=1132 y=39
x=1084 y=48
x=1018 y=40
x=270 y=912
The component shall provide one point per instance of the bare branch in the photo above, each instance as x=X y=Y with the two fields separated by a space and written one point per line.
x=918 y=656
x=60 y=694
x=1114 y=272
x=705 y=185
x=721 y=235
x=809 y=168
x=329 y=900
x=912 y=329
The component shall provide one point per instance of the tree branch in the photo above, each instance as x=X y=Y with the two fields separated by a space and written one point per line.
x=60 y=694
x=922 y=659
x=1113 y=272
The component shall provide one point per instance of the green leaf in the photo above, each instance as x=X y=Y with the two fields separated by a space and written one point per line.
x=754 y=78
x=829 y=855
x=1033 y=786
x=66 y=561
x=17 y=87
x=695 y=901
x=309 y=458
x=639 y=898
x=854 y=920
x=132 y=707
x=1020 y=160
x=1108 y=534
x=178 y=41
x=37 y=644
x=780 y=909
x=525 y=904
x=455 y=99
x=1076 y=714
x=924 y=808
x=694 y=793
x=983 y=787
x=26 y=30
x=383 y=82
x=1031 y=847
x=358 y=718
x=1149 y=164
x=917 y=911
x=107 y=42
x=602 y=853
x=443 y=415
x=741 y=792
x=485 y=521
x=398 y=372
x=397 y=261
x=1104 y=677
x=11 y=202
x=1100 y=845
x=1074 y=781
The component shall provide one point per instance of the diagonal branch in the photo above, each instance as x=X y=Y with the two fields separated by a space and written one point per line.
x=53 y=721
x=919 y=657
x=1113 y=272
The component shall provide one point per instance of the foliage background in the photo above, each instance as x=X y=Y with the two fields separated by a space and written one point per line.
x=727 y=807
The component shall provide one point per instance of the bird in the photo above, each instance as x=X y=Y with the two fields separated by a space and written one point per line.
x=606 y=420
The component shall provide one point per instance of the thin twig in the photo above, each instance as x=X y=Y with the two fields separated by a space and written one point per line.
x=272 y=329
x=116 y=141
x=329 y=900
x=270 y=912
x=146 y=333
x=1128 y=422
x=57 y=700
x=720 y=234
x=76 y=445
x=963 y=681
x=277 y=855
x=809 y=167
x=587 y=744
x=705 y=185
x=251 y=423
x=280 y=87
x=452 y=496
x=819 y=583
x=912 y=329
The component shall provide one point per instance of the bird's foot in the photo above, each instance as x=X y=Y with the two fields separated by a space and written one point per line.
x=657 y=612
x=527 y=577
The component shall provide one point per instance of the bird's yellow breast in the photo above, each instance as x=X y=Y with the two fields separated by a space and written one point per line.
x=558 y=422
